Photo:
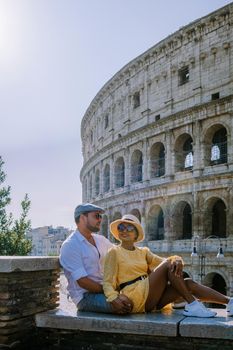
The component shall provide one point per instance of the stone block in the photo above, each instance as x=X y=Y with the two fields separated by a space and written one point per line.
x=220 y=327
x=147 y=324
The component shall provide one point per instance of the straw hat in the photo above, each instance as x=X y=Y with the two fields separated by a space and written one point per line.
x=128 y=219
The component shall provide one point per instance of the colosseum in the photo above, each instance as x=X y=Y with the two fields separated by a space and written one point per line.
x=158 y=143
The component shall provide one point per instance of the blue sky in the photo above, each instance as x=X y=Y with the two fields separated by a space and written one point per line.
x=54 y=57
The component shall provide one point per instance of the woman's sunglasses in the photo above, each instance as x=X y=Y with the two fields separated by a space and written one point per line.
x=122 y=227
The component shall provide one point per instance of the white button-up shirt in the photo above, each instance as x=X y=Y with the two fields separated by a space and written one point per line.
x=79 y=258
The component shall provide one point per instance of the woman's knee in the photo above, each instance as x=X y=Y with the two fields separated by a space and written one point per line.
x=165 y=265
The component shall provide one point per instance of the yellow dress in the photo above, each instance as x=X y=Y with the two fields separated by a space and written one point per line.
x=122 y=265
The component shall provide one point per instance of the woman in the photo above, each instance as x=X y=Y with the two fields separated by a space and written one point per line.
x=149 y=281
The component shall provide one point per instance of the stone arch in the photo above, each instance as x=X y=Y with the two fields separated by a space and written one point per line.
x=186 y=274
x=104 y=226
x=119 y=171
x=216 y=281
x=106 y=178
x=182 y=220
x=157 y=160
x=97 y=182
x=155 y=223
x=136 y=213
x=215 y=141
x=136 y=166
x=183 y=152
x=117 y=215
x=215 y=217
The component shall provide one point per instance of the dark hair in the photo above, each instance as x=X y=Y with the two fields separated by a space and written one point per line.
x=78 y=217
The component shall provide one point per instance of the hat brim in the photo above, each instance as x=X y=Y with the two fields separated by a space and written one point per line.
x=114 y=231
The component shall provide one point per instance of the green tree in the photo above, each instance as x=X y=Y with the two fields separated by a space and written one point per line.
x=13 y=239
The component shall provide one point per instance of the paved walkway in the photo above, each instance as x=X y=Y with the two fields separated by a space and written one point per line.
x=66 y=304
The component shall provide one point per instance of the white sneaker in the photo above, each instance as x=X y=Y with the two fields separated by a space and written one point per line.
x=180 y=305
x=197 y=309
x=230 y=307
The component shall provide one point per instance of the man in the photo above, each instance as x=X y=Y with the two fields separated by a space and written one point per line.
x=81 y=257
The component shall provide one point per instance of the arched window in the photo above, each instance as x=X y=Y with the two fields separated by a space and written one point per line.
x=184 y=152
x=219 y=147
x=136 y=213
x=97 y=182
x=136 y=166
x=218 y=283
x=157 y=160
x=106 y=178
x=156 y=223
x=120 y=173
x=188 y=154
x=219 y=219
x=187 y=222
x=104 y=226
x=182 y=220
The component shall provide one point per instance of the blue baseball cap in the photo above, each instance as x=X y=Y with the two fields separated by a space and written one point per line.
x=86 y=208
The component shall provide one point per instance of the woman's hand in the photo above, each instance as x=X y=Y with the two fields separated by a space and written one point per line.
x=122 y=304
x=177 y=267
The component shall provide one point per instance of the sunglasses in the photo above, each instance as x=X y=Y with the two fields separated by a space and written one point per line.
x=97 y=215
x=129 y=228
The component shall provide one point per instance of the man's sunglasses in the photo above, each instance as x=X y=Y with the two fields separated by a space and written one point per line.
x=128 y=228
x=97 y=215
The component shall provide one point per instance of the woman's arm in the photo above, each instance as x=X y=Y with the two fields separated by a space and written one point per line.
x=110 y=275
x=120 y=304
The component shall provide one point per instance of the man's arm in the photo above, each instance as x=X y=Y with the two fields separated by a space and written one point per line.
x=90 y=285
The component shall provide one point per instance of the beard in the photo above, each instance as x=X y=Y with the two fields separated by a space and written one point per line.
x=93 y=228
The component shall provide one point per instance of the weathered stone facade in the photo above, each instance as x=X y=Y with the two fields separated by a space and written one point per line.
x=158 y=142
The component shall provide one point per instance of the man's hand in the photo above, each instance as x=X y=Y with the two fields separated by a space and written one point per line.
x=177 y=267
x=122 y=304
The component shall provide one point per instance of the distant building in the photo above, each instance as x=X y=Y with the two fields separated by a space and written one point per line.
x=47 y=240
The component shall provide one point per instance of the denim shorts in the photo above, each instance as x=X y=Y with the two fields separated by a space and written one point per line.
x=94 y=302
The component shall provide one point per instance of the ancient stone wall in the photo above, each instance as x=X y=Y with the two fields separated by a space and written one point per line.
x=158 y=142
x=27 y=286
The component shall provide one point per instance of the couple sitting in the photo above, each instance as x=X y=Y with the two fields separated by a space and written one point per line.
x=124 y=278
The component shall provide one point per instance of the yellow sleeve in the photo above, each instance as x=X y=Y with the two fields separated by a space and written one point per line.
x=153 y=260
x=110 y=275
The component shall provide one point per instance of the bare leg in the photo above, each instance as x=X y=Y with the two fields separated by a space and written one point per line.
x=201 y=292
x=205 y=293
x=158 y=280
x=157 y=284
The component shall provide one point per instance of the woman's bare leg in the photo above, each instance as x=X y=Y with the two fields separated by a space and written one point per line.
x=157 y=284
x=158 y=280
x=200 y=292
x=205 y=293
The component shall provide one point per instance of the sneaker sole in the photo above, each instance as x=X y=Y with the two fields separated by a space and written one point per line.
x=188 y=315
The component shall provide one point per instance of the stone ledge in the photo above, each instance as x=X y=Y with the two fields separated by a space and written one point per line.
x=28 y=263
x=156 y=324
x=220 y=327
x=172 y=324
